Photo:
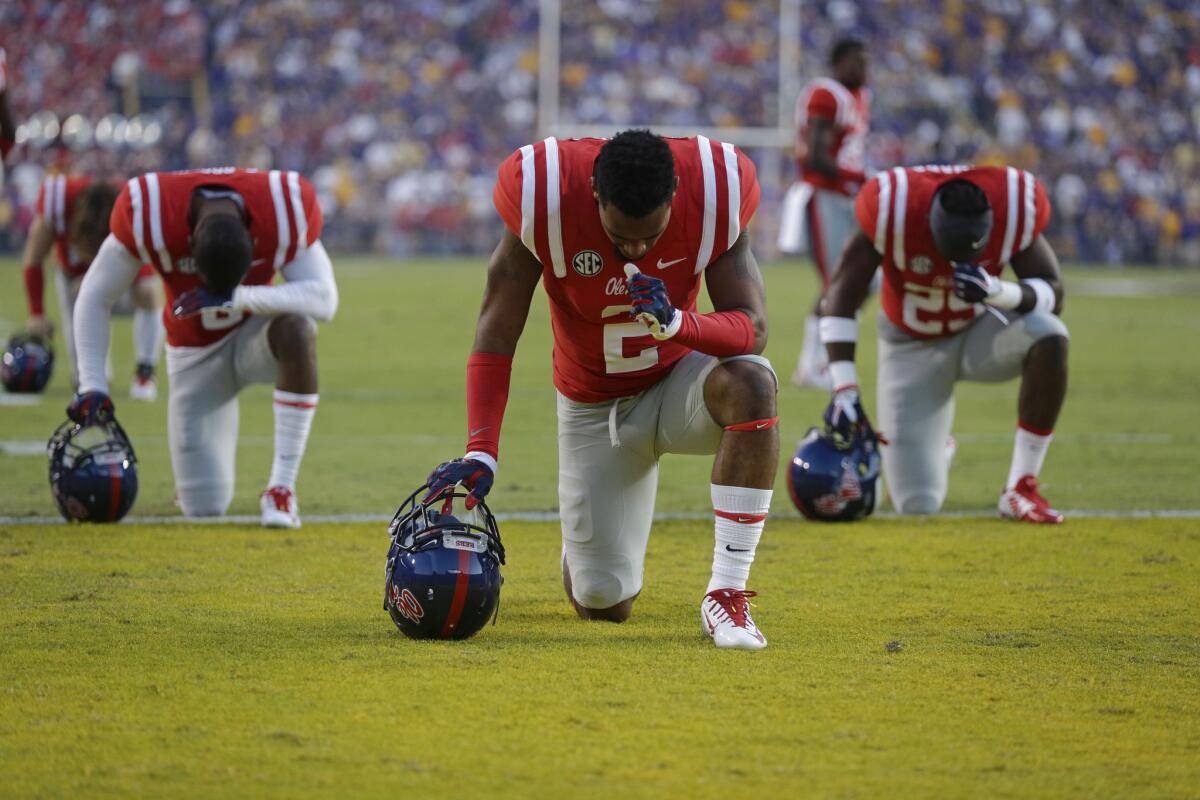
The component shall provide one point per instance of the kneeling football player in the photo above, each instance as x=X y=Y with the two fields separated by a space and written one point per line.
x=218 y=237
x=943 y=236
x=620 y=232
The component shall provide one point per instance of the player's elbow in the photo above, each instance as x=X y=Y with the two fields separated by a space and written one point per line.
x=758 y=325
x=327 y=303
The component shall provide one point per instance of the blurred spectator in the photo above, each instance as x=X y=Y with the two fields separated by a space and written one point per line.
x=401 y=111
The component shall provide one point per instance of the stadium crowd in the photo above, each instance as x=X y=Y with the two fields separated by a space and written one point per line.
x=401 y=112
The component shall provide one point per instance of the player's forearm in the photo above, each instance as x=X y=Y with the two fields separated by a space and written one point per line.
x=110 y=275
x=721 y=333
x=488 y=379
x=311 y=298
x=35 y=289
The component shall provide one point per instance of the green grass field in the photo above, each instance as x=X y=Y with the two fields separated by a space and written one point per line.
x=949 y=657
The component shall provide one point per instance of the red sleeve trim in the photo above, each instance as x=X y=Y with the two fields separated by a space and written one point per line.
x=35 y=289
x=488 y=379
x=822 y=105
x=720 y=333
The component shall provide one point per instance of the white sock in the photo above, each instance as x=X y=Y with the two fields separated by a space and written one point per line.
x=1029 y=451
x=147 y=335
x=293 y=419
x=811 y=349
x=740 y=515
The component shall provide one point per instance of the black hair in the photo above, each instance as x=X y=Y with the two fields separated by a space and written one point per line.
x=221 y=250
x=960 y=219
x=635 y=172
x=845 y=47
x=90 y=215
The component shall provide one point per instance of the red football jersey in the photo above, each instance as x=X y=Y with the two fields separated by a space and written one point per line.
x=918 y=290
x=55 y=203
x=544 y=195
x=850 y=112
x=151 y=220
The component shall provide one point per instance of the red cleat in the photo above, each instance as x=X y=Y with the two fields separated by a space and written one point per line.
x=1024 y=504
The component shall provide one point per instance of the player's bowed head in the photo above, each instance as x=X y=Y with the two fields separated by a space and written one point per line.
x=634 y=182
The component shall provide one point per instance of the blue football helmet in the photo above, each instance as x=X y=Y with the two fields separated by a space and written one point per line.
x=443 y=571
x=26 y=364
x=93 y=471
x=832 y=484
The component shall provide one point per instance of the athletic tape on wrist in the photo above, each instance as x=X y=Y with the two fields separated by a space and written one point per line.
x=1044 y=294
x=843 y=373
x=838 y=329
x=483 y=458
x=1008 y=297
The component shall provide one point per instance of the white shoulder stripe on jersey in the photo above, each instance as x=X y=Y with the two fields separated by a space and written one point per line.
x=283 y=237
x=1030 y=213
x=135 y=206
x=898 y=225
x=48 y=204
x=60 y=205
x=709 y=231
x=884 y=211
x=528 y=200
x=554 y=209
x=293 y=182
x=1010 y=224
x=156 y=229
x=733 y=179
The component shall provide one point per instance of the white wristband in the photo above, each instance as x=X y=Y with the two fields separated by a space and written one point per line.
x=485 y=459
x=843 y=373
x=1007 y=297
x=838 y=329
x=1044 y=294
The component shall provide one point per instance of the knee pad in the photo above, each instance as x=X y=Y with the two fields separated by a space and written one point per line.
x=918 y=503
x=1042 y=324
x=207 y=502
x=593 y=588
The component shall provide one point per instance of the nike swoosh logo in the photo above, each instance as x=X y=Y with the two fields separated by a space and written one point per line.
x=664 y=264
x=481 y=430
x=734 y=549
x=258 y=261
x=761 y=425
x=979 y=244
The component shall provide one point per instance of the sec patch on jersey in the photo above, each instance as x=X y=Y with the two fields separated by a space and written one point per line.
x=588 y=263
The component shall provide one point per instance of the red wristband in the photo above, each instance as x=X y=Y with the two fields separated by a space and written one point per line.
x=488 y=377
x=35 y=287
x=720 y=333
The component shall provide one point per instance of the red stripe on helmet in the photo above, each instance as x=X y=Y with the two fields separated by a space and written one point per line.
x=114 y=500
x=460 y=594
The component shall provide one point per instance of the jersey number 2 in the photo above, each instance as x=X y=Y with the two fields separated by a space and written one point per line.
x=615 y=334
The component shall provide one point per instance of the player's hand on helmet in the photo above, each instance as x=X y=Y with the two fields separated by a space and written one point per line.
x=90 y=408
x=651 y=305
x=844 y=416
x=474 y=475
x=973 y=283
x=194 y=301
x=41 y=326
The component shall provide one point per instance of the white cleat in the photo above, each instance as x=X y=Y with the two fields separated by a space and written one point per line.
x=1024 y=503
x=725 y=618
x=144 y=389
x=279 y=508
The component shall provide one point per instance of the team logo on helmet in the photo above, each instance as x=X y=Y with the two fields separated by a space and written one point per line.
x=587 y=263
x=921 y=265
x=406 y=604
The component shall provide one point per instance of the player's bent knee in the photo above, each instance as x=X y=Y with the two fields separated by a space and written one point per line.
x=737 y=391
x=1043 y=325
x=292 y=336
x=918 y=503
x=210 y=506
x=598 y=592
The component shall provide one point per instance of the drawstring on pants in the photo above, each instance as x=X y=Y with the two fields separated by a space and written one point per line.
x=612 y=424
